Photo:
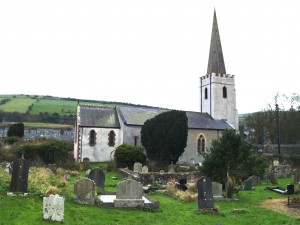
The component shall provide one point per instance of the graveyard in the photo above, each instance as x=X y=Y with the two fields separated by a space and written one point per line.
x=253 y=204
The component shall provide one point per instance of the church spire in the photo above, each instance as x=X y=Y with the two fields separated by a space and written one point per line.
x=216 y=60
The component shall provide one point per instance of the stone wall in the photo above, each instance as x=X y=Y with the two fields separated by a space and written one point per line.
x=159 y=178
x=284 y=149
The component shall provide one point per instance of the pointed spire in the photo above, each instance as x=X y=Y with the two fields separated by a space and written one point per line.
x=216 y=60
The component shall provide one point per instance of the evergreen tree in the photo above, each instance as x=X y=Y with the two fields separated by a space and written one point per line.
x=16 y=130
x=164 y=137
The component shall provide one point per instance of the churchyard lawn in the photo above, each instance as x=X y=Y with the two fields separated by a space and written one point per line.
x=28 y=210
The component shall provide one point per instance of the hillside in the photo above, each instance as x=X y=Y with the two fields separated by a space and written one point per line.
x=45 y=109
x=37 y=109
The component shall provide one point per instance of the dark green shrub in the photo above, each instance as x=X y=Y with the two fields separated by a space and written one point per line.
x=126 y=155
x=11 y=140
x=16 y=130
x=49 y=150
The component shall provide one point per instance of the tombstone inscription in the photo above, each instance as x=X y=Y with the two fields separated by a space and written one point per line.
x=205 y=195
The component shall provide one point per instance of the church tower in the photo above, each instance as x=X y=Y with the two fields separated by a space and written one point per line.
x=217 y=88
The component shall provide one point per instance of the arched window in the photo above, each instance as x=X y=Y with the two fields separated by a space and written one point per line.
x=92 y=138
x=224 y=92
x=205 y=93
x=111 y=138
x=201 y=144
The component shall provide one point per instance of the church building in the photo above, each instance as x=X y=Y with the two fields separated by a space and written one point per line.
x=99 y=130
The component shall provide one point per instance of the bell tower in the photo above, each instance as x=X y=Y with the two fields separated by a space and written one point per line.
x=217 y=88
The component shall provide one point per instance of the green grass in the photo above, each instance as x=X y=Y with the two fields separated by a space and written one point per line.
x=18 y=210
x=18 y=104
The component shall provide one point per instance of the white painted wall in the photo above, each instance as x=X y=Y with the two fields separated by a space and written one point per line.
x=101 y=152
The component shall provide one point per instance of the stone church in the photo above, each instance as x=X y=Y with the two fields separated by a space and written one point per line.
x=99 y=130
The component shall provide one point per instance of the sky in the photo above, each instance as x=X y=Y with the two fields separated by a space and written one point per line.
x=148 y=52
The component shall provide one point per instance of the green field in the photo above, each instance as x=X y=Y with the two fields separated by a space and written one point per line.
x=19 y=103
x=20 y=210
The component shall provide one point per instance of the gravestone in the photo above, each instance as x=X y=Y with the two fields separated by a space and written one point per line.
x=217 y=190
x=98 y=177
x=129 y=194
x=145 y=169
x=296 y=173
x=255 y=180
x=271 y=177
x=84 y=191
x=247 y=185
x=53 y=208
x=282 y=170
x=171 y=168
x=137 y=167
x=86 y=163
x=161 y=171
x=19 y=178
x=52 y=167
x=205 y=195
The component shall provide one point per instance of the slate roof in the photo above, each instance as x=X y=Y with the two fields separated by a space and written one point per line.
x=135 y=116
x=91 y=116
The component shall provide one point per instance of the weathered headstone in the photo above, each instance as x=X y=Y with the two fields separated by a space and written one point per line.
x=296 y=173
x=247 y=185
x=205 y=195
x=171 y=168
x=255 y=180
x=98 y=177
x=282 y=170
x=86 y=163
x=53 y=208
x=161 y=171
x=84 y=191
x=19 y=178
x=271 y=177
x=145 y=169
x=137 y=167
x=275 y=162
x=52 y=167
x=129 y=194
x=217 y=190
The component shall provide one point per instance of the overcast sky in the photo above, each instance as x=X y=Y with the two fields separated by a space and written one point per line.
x=148 y=52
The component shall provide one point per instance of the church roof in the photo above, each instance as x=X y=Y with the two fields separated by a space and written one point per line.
x=92 y=116
x=136 y=116
x=216 y=62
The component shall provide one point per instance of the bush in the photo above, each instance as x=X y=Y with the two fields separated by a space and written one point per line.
x=16 y=130
x=11 y=140
x=126 y=155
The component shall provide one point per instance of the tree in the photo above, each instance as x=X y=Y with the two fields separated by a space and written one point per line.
x=231 y=155
x=16 y=130
x=126 y=155
x=164 y=137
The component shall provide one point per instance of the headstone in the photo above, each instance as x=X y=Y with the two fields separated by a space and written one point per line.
x=84 y=191
x=217 y=190
x=275 y=162
x=161 y=171
x=19 y=178
x=205 y=195
x=282 y=170
x=86 y=163
x=247 y=185
x=53 y=208
x=171 y=168
x=145 y=169
x=290 y=189
x=129 y=194
x=52 y=167
x=137 y=167
x=271 y=177
x=98 y=177
x=296 y=173
x=255 y=180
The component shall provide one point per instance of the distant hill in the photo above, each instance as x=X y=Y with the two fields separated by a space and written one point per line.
x=49 y=109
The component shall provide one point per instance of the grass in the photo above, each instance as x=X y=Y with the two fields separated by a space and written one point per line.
x=19 y=103
x=18 y=210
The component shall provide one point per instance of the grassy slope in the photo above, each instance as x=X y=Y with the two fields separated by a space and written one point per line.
x=16 y=210
x=18 y=104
